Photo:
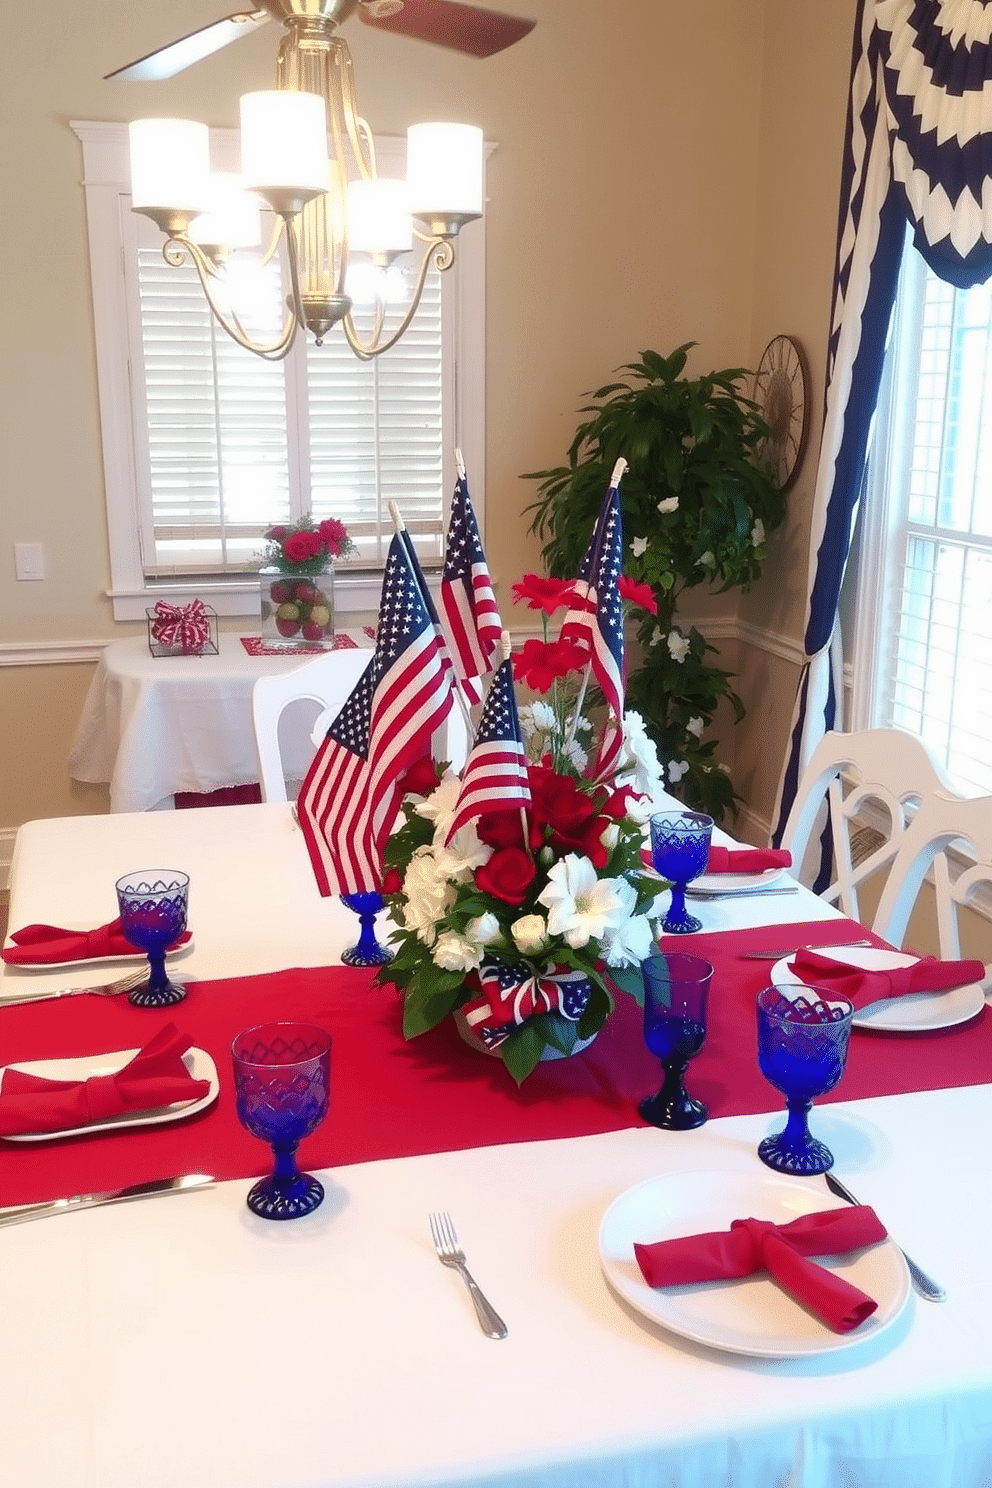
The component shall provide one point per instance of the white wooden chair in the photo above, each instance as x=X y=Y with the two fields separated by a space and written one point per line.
x=952 y=836
x=880 y=772
x=321 y=682
x=324 y=683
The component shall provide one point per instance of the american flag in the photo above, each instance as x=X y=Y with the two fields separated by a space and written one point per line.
x=597 y=622
x=495 y=774
x=467 y=597
x=349 y=799
x=510 y=993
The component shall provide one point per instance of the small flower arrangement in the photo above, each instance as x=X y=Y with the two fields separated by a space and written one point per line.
x=306 y=547
x=525 y=921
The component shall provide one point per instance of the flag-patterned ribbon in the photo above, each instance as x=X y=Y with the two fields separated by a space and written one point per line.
x=187 y=626
x=510 y=993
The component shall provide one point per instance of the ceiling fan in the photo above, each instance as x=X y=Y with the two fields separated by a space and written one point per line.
x=462 y=28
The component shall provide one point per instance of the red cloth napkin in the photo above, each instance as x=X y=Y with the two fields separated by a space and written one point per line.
x=752 y=1245
x=156 y=1076
x=747 y=859
x=43 y=945
x=865 y=987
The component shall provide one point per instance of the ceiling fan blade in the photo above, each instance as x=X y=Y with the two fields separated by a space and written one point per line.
x=179 y=55
x=463 y=28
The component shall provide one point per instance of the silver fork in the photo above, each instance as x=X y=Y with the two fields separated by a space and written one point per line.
x=450 y=1253
x=109 y=989
x=794 y=950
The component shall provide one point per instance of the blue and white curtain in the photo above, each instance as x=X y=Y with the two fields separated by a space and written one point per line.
x=918 y=150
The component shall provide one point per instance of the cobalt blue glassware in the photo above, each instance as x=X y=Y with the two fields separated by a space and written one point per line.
x=676 y=989
x=803 y=1037
x=680 y=847
x=367 y=951
x=152 y=906
x=282 y=1081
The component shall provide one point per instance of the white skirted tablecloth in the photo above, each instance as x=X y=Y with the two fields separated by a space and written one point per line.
x=183 y=1341
x=154 y=726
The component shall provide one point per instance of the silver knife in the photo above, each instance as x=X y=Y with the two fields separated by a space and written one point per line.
x=20 y=1213
x=692 y=893
x=924 y=1284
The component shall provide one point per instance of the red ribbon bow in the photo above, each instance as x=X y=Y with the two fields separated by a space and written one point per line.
x=155 y=1076
x=187 y=627
x=510 y=994
x=752 y=1245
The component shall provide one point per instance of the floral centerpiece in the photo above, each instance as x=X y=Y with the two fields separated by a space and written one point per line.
x=521 y=924
x=297 y=595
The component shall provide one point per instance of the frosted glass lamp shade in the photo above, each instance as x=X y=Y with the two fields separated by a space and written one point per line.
x=284 y=142
x=379 y=218
x=170 y=163
x=444 y=169
x=232 y=219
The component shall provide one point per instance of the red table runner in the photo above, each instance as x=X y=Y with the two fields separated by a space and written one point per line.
x=390 y=1098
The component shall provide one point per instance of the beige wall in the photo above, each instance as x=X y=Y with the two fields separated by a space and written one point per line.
x=667 y=171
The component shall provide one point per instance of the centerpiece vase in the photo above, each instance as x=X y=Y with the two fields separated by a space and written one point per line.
x=297 y=609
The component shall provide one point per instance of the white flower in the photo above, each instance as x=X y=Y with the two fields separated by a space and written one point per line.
x=428 y=895
x=656 y=636
x=537 y=718
x=456 y=953
x=629 y=942
x=484 y=929
x=676 y=770
x=577 y=756
x=530 y=934
x=695 y=726
x=639 y=754
x=583 y=725
x=439 y=807
x=640 y=809
x=706 y=560
x=580 y=905
x=758 y=532
x=678 y=645
x=610 y=836
x=669 y=504
x=639 y=546
x=465 y=852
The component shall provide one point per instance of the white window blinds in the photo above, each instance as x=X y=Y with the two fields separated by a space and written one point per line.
x=932 y=491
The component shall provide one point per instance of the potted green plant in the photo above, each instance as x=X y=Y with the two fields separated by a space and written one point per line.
x=697 y=504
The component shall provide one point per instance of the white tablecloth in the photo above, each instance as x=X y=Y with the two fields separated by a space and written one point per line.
x=184 y=1342
x=154 y=726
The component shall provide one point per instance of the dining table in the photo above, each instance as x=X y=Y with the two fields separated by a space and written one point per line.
x=183 y=1340
x=155 y=728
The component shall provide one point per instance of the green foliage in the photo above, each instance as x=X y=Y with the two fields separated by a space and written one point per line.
x=697 y=505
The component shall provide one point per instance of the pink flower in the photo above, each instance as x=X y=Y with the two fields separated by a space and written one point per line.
x=299 y=547
x=333 y=534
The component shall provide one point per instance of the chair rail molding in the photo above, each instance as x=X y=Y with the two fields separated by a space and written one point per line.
x=50 y=653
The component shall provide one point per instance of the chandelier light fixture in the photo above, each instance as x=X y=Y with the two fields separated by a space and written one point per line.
x=308 y=155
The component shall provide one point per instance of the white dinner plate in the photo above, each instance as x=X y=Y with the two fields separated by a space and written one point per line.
x=197 y=1061
x=918 y=1012
x=753 y=1315
x=133 y=958
x=737 y=883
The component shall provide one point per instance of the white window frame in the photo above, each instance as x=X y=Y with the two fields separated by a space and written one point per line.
x=110 y=228
x=882 y=526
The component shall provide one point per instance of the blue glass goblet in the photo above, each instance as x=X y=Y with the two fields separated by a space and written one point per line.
x=803 y=1037
x=152 y=907
x=367 y=951
x=282 y=1079
x=676 y=988
x=680 y=848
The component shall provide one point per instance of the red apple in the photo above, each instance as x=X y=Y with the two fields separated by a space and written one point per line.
x=287 y=627
x=312 y=632
x=280 y=591
x=304 y=591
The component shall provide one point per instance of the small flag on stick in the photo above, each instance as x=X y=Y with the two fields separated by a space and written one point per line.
x=467 y=597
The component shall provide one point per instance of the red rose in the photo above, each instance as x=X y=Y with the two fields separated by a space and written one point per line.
x=618 y=804
x=421 y=779
x=544 y=594
x=333 y=534
x=641 y=595
x=586 y=839
x=392 y=881
x=299 y=547
x=507 y=876
x=541 y=662
x=500 y=828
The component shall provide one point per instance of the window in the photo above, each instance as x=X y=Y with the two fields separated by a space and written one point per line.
x=206 y=445
x=923 y=656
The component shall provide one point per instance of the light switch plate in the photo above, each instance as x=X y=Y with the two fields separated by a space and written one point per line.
x=29 y=560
